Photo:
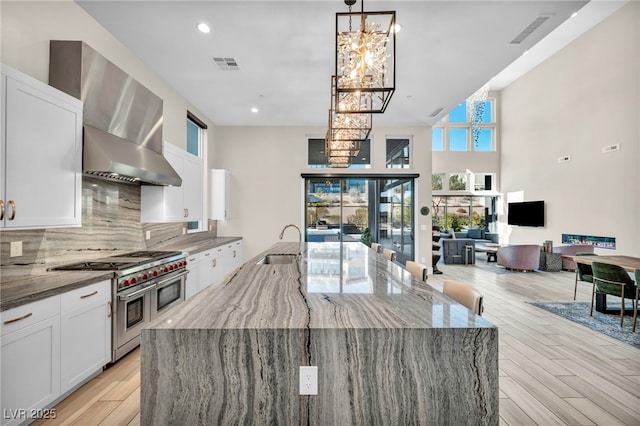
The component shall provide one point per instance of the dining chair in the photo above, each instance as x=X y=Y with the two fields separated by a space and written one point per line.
x=465 y=294
x=584 y=272
x=389 y=254
x=376 y=247
x=636 y=273
x=418 y=270
x=613 y=280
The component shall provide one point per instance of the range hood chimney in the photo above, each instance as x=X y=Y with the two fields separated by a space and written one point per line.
x=122 y=119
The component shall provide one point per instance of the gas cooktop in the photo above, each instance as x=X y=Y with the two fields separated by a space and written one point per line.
x=117 y=262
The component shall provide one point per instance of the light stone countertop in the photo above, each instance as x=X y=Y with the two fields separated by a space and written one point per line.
x=331 y=285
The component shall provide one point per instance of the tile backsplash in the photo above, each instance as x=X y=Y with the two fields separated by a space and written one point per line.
x=110 y=225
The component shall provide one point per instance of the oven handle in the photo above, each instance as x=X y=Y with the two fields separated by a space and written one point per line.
x=160 y=283
x=125 y=297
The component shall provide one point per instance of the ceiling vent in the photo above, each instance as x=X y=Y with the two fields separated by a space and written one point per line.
x=226 y=64
x=530 y=29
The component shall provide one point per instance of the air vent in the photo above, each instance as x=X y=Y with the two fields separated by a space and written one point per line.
x=114 y=177
x=564 y=159
x=530 y=29
x=226 y=64
x=436 y=112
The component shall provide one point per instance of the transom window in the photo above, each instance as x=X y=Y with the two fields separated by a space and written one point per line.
x=455 y=132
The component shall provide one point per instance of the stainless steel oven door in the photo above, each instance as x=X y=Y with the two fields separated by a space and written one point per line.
x=133 y=312
x=168 y=293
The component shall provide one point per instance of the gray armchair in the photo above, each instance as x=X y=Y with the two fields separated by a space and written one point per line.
x=461 y=251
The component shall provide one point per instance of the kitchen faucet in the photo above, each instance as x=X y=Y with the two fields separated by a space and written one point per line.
x=299 y=235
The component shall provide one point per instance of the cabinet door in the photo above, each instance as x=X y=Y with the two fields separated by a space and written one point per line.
x=85 y=333
x=220 y=194
x=30 y=369
x=210 y=268
x=174 y=210
x=192 y=185
x=43 y=138
x=193 y=278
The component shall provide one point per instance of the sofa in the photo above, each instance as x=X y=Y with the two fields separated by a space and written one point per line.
x=480 y=235
x=572 y=250
x=521 y=257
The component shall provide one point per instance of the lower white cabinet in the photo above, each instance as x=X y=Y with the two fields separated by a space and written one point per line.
x=51 y=346
x=30 y=359
x=85 y=333
x=211 y=266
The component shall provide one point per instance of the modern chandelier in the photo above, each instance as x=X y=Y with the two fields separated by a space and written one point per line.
x=475 y=110
x=364 y=79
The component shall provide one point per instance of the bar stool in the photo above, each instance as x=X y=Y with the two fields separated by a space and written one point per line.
x=389 y=254
x=376 y=247
x=418 y=270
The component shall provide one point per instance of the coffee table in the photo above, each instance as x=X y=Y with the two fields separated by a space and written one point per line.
x=491 y=249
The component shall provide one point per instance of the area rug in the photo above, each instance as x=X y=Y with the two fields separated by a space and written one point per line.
x=608 y=324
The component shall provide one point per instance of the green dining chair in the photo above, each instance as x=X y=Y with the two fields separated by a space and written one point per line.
x=584 y=273
x=613 y=280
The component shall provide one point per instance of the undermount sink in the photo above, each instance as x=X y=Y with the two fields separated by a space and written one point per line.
x=277 y=259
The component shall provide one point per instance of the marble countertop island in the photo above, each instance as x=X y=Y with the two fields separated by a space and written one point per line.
x=389 y=349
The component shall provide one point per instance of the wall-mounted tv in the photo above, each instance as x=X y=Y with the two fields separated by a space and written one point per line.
x=526 y=213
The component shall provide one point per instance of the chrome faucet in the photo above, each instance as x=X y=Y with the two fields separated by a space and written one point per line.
x=285 y=228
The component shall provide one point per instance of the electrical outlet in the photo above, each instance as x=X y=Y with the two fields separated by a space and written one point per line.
x=308 y=380
x=184 y=231
x=15 y=249
x=148 y=235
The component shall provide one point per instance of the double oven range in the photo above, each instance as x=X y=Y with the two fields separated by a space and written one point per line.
x=144 y=284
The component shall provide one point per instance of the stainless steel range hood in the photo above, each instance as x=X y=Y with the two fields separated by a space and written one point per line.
x=122 y=118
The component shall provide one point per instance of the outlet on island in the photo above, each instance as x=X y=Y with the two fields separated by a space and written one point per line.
x=15 y=249
x=308 y=380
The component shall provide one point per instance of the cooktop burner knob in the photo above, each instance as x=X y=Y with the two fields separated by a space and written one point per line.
x=166 y=269
x=134 y=280
x=154 y=273
x=145 y=276
x=125 y=283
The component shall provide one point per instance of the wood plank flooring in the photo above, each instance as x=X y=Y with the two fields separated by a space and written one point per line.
x=552 y=371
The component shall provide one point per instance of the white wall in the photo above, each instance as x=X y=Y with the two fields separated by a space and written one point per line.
x=583 y=98
x=27 y=27
x=267 y=190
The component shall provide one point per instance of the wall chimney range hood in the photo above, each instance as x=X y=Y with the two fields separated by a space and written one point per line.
x=122 y=119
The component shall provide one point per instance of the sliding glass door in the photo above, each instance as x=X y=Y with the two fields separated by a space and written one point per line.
x=363 y=208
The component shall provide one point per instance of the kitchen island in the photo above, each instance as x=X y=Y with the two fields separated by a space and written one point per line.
x=389 y=349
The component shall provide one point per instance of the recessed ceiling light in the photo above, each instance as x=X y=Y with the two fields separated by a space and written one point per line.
x=203 y=28
x=396 y=28
x=574 y=14
x=254 y=110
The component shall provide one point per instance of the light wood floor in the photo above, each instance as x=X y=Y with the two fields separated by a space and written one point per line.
x=552 y=371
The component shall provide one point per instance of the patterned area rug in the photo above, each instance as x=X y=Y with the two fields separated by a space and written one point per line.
x=608 y=324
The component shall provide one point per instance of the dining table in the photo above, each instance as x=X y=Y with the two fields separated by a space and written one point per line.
x=629 y=263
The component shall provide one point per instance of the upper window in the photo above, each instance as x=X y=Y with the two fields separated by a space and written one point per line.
x=464 y=130
x=398 y=151
x=195 y=139
x=317 y=158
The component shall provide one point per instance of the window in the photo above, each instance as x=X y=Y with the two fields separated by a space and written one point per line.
x=456 y=133
x=195 y=139
x=316 y=157
x=436 y=181
x=398 y=153
x=460 y=212
x=458 y=182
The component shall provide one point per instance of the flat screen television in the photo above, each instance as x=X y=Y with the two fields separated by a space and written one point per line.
x=526 y=213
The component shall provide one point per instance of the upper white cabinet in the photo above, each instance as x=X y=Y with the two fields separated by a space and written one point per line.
x=220 y=194
x=41 y=140
x=175 y=203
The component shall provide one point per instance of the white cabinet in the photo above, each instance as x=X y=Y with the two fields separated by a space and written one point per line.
x=193 y=278
x=85 y=333
x=175 y=203
x=51 y=346
x=30 y=358
x=220 y=202
x=210 y=268
x=41 y=138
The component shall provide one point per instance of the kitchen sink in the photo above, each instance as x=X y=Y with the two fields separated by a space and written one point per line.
x=277 y=259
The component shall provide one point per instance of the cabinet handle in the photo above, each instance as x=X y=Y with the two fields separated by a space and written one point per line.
x=207 y=254
x=234 y=253
x=110 y=309
x=89 y=295
x=13 y=209
x=187 y=212
x=214 y=262
x=192 y=259
x=225 y=213
x=1 y=209
x=19 y=318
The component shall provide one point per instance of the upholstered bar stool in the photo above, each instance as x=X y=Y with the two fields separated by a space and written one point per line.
x=418 y=270
x=376 y=247
x=389 y=254
x=464 y=294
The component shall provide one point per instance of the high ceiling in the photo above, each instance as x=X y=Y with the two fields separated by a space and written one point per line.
x=285 y=52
